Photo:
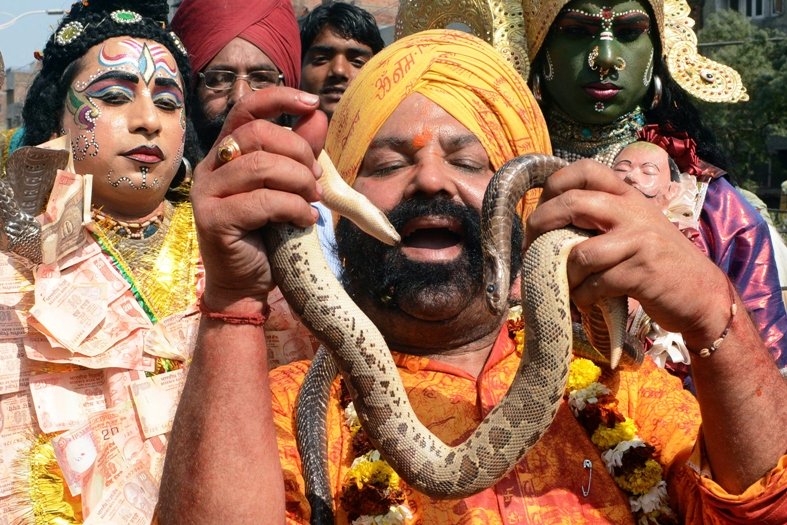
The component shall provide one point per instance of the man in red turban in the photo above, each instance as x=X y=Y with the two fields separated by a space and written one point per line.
x=236 y=47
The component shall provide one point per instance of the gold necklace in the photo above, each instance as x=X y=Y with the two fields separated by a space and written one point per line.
x=130 y=230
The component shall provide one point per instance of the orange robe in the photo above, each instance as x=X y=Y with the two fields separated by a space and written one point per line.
x=545 y=487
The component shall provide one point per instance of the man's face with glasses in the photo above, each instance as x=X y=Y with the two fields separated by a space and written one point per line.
x=222 y=81
x=237 y=70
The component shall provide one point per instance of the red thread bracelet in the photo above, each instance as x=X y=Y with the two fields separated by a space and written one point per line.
x=253 y=319
x=708 y=351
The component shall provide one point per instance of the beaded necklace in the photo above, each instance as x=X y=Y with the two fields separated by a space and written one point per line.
x=130 y=230
x=573 y=141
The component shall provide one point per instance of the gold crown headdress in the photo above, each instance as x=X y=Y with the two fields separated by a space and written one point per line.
x=498 y=22
x=518 y=30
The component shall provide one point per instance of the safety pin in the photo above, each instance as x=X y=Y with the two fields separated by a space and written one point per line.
x=588 y=465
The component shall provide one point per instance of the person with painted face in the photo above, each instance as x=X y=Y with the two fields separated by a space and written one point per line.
x=611 y=73
x=113 y=93
x=337 y=39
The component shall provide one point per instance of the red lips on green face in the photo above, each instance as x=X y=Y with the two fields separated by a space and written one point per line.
x=584 y=48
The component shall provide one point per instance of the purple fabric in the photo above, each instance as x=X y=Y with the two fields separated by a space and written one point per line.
x=736 y=238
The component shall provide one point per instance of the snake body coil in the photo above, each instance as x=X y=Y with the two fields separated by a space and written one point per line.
x=361 y=355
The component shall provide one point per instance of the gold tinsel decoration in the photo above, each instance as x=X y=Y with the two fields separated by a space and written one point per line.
x=163 y=269
x=40 y=491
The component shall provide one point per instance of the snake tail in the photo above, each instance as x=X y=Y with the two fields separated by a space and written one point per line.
x=311 y=434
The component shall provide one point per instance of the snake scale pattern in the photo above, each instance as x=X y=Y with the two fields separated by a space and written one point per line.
x=360 y=353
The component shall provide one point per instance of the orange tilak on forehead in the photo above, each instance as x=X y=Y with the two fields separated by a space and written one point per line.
x=422 y=138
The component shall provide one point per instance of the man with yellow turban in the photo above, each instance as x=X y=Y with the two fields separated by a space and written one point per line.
x=419 y=133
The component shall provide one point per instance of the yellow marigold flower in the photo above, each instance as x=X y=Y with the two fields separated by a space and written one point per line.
x=394 y=480
x=372 y=471
x=605 y=438
x=641 y=479
x=581 y=373
x=519 y=340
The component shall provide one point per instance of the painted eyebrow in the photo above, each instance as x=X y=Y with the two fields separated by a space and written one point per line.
x=168 y=82
x=573 y=16
x=117 y=75
x=632 y=18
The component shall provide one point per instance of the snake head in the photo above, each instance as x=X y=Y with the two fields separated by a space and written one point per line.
x=496 y=289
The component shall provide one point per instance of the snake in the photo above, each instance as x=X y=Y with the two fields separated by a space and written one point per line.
x=354 y=347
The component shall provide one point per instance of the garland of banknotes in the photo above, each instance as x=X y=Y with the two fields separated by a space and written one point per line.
x=97 y=451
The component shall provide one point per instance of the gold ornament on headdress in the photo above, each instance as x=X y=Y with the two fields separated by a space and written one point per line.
x=699 y=76
x=498 y=22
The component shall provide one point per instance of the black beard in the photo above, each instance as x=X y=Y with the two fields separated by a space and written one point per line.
x=382 y=274
x=207 y=128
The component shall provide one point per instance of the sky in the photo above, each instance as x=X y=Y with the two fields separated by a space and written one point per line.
x=30 y=32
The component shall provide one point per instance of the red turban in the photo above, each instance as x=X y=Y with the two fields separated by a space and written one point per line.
x=206 y=26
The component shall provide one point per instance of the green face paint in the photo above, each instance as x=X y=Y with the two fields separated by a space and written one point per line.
x=597 y=61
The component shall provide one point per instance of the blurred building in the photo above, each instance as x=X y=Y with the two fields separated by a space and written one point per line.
x=763 y=13
x=12 y=95
x=384 y=11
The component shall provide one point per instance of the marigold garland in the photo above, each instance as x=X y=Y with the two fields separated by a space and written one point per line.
x=631 y=462
x=372 y=493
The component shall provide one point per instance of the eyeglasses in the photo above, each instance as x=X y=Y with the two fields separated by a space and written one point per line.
x=220 y=80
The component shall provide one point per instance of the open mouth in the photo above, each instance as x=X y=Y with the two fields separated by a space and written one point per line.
x=432 y=238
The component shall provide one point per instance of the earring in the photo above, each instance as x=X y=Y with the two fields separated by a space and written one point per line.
x=656 y=92
x=648 y=76
x=592 y=56
x=536 y=87
x=189 y=172
x=549 y=70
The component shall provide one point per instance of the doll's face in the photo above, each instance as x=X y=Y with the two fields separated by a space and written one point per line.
x=646 y=167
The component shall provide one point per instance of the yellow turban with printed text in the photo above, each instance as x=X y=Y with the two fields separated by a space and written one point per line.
x=459 y=72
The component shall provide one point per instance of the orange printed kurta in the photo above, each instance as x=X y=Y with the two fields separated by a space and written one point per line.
x=546 y=486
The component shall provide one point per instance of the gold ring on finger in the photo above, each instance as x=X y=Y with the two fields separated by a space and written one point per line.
x=228 y=149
